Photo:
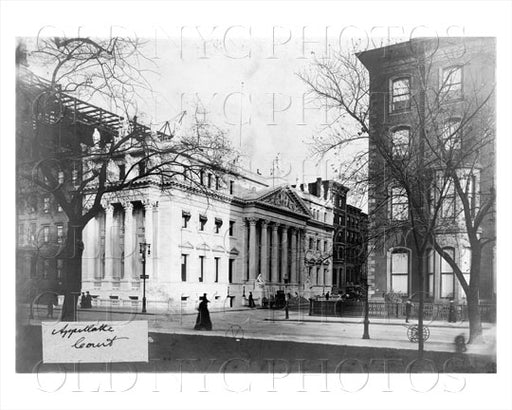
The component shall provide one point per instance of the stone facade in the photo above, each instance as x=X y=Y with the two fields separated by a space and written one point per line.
x=418 y=69
x=242 y=236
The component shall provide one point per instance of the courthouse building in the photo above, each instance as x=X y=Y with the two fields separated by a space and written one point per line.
x=221 y=235
x=240 y=235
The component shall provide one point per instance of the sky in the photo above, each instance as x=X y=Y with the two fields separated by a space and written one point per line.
x=244 y=79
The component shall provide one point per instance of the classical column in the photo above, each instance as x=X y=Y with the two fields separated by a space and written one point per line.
x=275 y=248
x=264 y=249
x=109 y=240
x=129 y=241
x=89 y=250
x=293 y=273
x=284 y=253
x=252 y=248
x=302 y=257
x=148 y=236
x=245 y=253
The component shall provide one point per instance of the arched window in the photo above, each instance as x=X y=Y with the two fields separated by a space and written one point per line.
x=400 y=270
x=447 y=276
x=400 y=140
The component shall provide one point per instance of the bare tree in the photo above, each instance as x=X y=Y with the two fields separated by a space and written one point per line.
x=78 y=153
x=438 y=165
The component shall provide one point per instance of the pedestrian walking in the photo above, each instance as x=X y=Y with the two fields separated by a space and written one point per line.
x=88 y=300
x=83 y=302
x=49 y=306
x=327 y=296
x=203 y=321
x=408 y=308
x=251 y=301
x=452 y=315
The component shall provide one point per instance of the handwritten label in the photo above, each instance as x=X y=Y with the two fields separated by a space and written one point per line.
x=95 y=342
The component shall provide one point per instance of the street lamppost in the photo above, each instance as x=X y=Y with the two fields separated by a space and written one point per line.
x=144 y=247
x=366 y=322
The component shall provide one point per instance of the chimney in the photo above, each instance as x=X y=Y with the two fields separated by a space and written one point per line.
x=318 y=187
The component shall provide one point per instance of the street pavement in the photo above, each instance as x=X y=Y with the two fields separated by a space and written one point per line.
x=266 y=324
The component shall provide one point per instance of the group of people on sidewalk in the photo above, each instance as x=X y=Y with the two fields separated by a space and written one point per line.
x=86 y=300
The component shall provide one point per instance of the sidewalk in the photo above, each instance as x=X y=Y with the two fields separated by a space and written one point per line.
x=271 y=325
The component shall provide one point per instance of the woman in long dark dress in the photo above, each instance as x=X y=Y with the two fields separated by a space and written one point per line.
x=203 y=321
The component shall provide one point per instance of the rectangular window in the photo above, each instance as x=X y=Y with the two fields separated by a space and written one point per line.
x=451 y=86
x=217 y=183
x=46 y=204
x=231 y=187
x=32 y=234
x=33 y=266
x=447 y=277
x=60 y=233
x=400 y=140
x=202 y=222
x=400 y=272
x=46 y=268
x=60 y=177
x=318 y=244
x=217 y=263
x=201 y=177
x=451 y=135
x=60 y=266
x=184 y=267
x=430 y=272
x=401 y=94
x=185 y=216
x=218 y=224
x=201 y=268
x=74 y=177
x=142 y=167
x=231 y=228
x=231 y=268
x=209 y=180
x=325 y=246
x=399 y=204
x=448 y=201
x=21 y=234
x=122 y=171
x=46 y=234
x=465 y=267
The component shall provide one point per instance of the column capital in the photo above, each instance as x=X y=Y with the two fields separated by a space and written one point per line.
x=108 y=207
x=285 y=227
x=265 y=222
x=149 y=204
x=127 y=205
x=252 y=220
x=275 y=226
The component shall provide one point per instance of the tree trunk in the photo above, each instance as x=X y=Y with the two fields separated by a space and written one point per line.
x=475 y=322
x=421 y=342
x=473 y=298
x=72 y=271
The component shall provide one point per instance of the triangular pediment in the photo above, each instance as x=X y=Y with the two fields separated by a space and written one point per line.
x=286 y=198
x=219 y=249
x=203 y=247
x=187 y=245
